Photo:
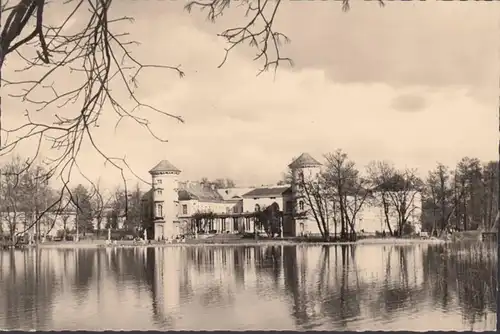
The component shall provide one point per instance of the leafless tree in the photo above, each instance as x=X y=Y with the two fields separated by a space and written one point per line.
x=99 y=203
x=23 y=189
x=348 y=190
x=99 y=61
x=380 y=173
x=313 y=194
x=90 y=45
x=286 y=177
x=257 y=29
x=402 y=189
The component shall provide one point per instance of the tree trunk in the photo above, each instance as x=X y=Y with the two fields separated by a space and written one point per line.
x=386 y=213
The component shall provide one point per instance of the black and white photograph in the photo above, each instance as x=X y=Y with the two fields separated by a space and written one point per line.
x=234 y=165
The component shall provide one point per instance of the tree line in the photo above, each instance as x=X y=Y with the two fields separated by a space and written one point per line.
x=461 y=198
x=28 y=201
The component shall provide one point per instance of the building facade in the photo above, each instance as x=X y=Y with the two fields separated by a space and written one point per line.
x=173 y=208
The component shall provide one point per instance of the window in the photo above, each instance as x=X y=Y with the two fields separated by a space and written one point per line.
x=159 y=192
x=257 y=207
x=158 y=181
x=184 y=209
x=159 y=210
x=289 y=206
x=273 y=197
x=301 y=205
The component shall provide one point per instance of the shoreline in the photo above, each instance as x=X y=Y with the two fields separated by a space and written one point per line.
x=233 y=243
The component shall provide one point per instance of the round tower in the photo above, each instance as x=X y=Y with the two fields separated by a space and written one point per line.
x=165 y=181
x=304 y=169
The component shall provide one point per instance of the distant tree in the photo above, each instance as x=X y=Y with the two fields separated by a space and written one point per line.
x=112 y=219
x=268 y=218
x=468 y=178
x=439 y=193
x=13 y=192
x=82 y=202
x=126 y=205
x=24 y=195
x=99 y=204
x=312 y=199
x=380 y=173
x=286 y=177
x=402 y=189
x=65 y=216
x=219 y=183
x=348 y=190
x=490 y=193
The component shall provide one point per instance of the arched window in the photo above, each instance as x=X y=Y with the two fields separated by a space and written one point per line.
x=159 y=210
x=301 y=205
x=257 y=207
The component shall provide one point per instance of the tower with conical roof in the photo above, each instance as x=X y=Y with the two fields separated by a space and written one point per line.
x=165 y=181
x=304 y=169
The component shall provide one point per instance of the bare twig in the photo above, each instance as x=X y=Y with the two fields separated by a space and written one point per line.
x=95 y=55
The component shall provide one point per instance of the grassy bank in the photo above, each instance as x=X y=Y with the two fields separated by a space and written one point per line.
x=235 y=242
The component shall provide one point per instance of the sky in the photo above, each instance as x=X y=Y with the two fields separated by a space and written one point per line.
x=414 y=83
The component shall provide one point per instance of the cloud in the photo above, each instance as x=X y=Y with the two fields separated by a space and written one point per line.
x=354 y=72
x=408 y=103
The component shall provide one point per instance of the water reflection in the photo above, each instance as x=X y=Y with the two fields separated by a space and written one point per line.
x=365 y=287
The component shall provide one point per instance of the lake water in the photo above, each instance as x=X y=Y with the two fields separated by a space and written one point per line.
x=364 y=287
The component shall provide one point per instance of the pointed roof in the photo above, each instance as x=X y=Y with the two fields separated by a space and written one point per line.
x=305 y=160
x=164 y=166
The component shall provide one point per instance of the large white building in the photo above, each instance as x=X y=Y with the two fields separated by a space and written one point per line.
x=173 y=207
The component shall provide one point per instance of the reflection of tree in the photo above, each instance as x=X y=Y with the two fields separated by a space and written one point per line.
x=239 y=264
x=330 y=295
x=84 y=273
x=342 y=300
x=327 y=285
x=469 y=275
x=268 y=260
x=292 y=285
x=27 y=291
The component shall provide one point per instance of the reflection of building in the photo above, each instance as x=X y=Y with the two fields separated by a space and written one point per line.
x=174 y=207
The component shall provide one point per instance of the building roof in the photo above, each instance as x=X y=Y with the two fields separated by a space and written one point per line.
x=198 y=191
x=164 y=166
x=304 y=160
x=268 y=192
x=233 y=194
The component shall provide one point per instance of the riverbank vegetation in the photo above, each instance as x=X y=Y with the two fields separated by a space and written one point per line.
x=463 y=198
x=453 y=199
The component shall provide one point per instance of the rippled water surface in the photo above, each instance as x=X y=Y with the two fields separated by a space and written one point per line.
x=364 y=287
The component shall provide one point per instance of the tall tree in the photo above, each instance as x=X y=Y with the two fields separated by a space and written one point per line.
x=25 y=195
x=126 y=205
x=313 y=193
x=490 y=193
x=439 y=192
x=380 y=174
x=403 y=188
x=82 y=201
x=469 y=184
x=219 y=183
x=347 y=190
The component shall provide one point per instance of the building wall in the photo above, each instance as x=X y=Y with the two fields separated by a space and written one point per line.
x=370 y=218
x=249 y=204
x=307 y=224
x=166 y=206
x=50 y=223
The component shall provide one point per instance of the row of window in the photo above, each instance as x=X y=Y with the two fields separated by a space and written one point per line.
x=236 y=209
